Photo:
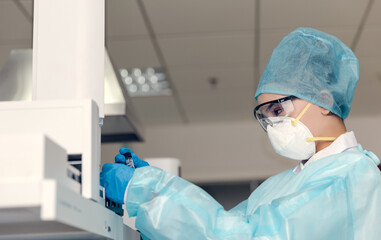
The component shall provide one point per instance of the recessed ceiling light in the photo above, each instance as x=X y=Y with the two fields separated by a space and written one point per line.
x=124 y=73
x=153 y=79
x=145 y=82
x=127 y=80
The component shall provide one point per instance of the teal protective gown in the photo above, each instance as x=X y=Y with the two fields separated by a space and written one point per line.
x=336 y=197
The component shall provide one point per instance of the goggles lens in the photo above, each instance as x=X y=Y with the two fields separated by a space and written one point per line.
x=267 y=112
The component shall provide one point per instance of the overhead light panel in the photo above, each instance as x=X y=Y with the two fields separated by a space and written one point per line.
x=145 y=82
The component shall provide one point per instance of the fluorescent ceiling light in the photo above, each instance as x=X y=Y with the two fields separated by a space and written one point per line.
x=145 y=82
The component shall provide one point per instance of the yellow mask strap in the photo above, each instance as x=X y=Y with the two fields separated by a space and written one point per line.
x=294 y=122
x=321 y=139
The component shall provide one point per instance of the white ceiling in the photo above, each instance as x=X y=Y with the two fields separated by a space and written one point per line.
x=203 y=39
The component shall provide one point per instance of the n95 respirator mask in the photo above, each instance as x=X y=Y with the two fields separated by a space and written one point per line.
x=290 y=140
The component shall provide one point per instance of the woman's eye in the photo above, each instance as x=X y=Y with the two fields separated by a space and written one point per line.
x=277 y=112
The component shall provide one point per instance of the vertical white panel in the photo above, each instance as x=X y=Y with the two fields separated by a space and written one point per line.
x=68 y=50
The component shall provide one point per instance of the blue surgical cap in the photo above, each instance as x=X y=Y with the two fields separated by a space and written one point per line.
x=313 y=66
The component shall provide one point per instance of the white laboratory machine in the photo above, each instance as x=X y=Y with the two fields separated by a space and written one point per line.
x=50 y=145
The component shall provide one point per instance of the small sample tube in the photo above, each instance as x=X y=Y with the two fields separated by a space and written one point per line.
x=129 y=161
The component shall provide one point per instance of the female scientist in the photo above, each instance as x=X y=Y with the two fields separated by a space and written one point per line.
x=304 y=95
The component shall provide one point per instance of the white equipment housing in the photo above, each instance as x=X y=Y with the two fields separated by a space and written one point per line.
x=39 y=201
x=73 y=124
x=43 y=195
x=68 y=50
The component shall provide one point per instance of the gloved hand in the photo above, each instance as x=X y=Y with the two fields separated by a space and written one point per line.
x=120 y=158
x=115 y=176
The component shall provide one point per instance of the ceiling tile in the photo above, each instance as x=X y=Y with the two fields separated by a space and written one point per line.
x=133 y=53
x=231 y=100
x=184 y=16
x=123 y=18
x=311 y=13
x=374 y=17
x=222 y=105
x=13 y=24
x=156 y=110
x=366 y=98
x=195 y=80
x=208 y=50
x=28 y=6
x=369 y=44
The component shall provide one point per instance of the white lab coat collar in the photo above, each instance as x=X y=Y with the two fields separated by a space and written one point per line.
x=343 y=143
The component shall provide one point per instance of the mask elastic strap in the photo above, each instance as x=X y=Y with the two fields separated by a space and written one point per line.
x=320 y=139
x=294 y=122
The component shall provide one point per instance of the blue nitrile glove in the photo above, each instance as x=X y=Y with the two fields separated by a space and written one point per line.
x=120 y=158
x=115 y=176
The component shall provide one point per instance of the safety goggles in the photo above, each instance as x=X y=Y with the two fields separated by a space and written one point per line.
x=266 y=112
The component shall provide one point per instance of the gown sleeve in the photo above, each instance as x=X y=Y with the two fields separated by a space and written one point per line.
x=169 y=207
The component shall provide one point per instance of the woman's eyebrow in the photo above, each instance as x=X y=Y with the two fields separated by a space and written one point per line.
x=270 y=106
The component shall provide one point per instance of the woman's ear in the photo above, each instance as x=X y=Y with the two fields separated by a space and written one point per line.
x=325 y=112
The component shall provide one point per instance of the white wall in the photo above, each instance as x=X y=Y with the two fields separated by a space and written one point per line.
x=368 y=132
x=235 y=151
